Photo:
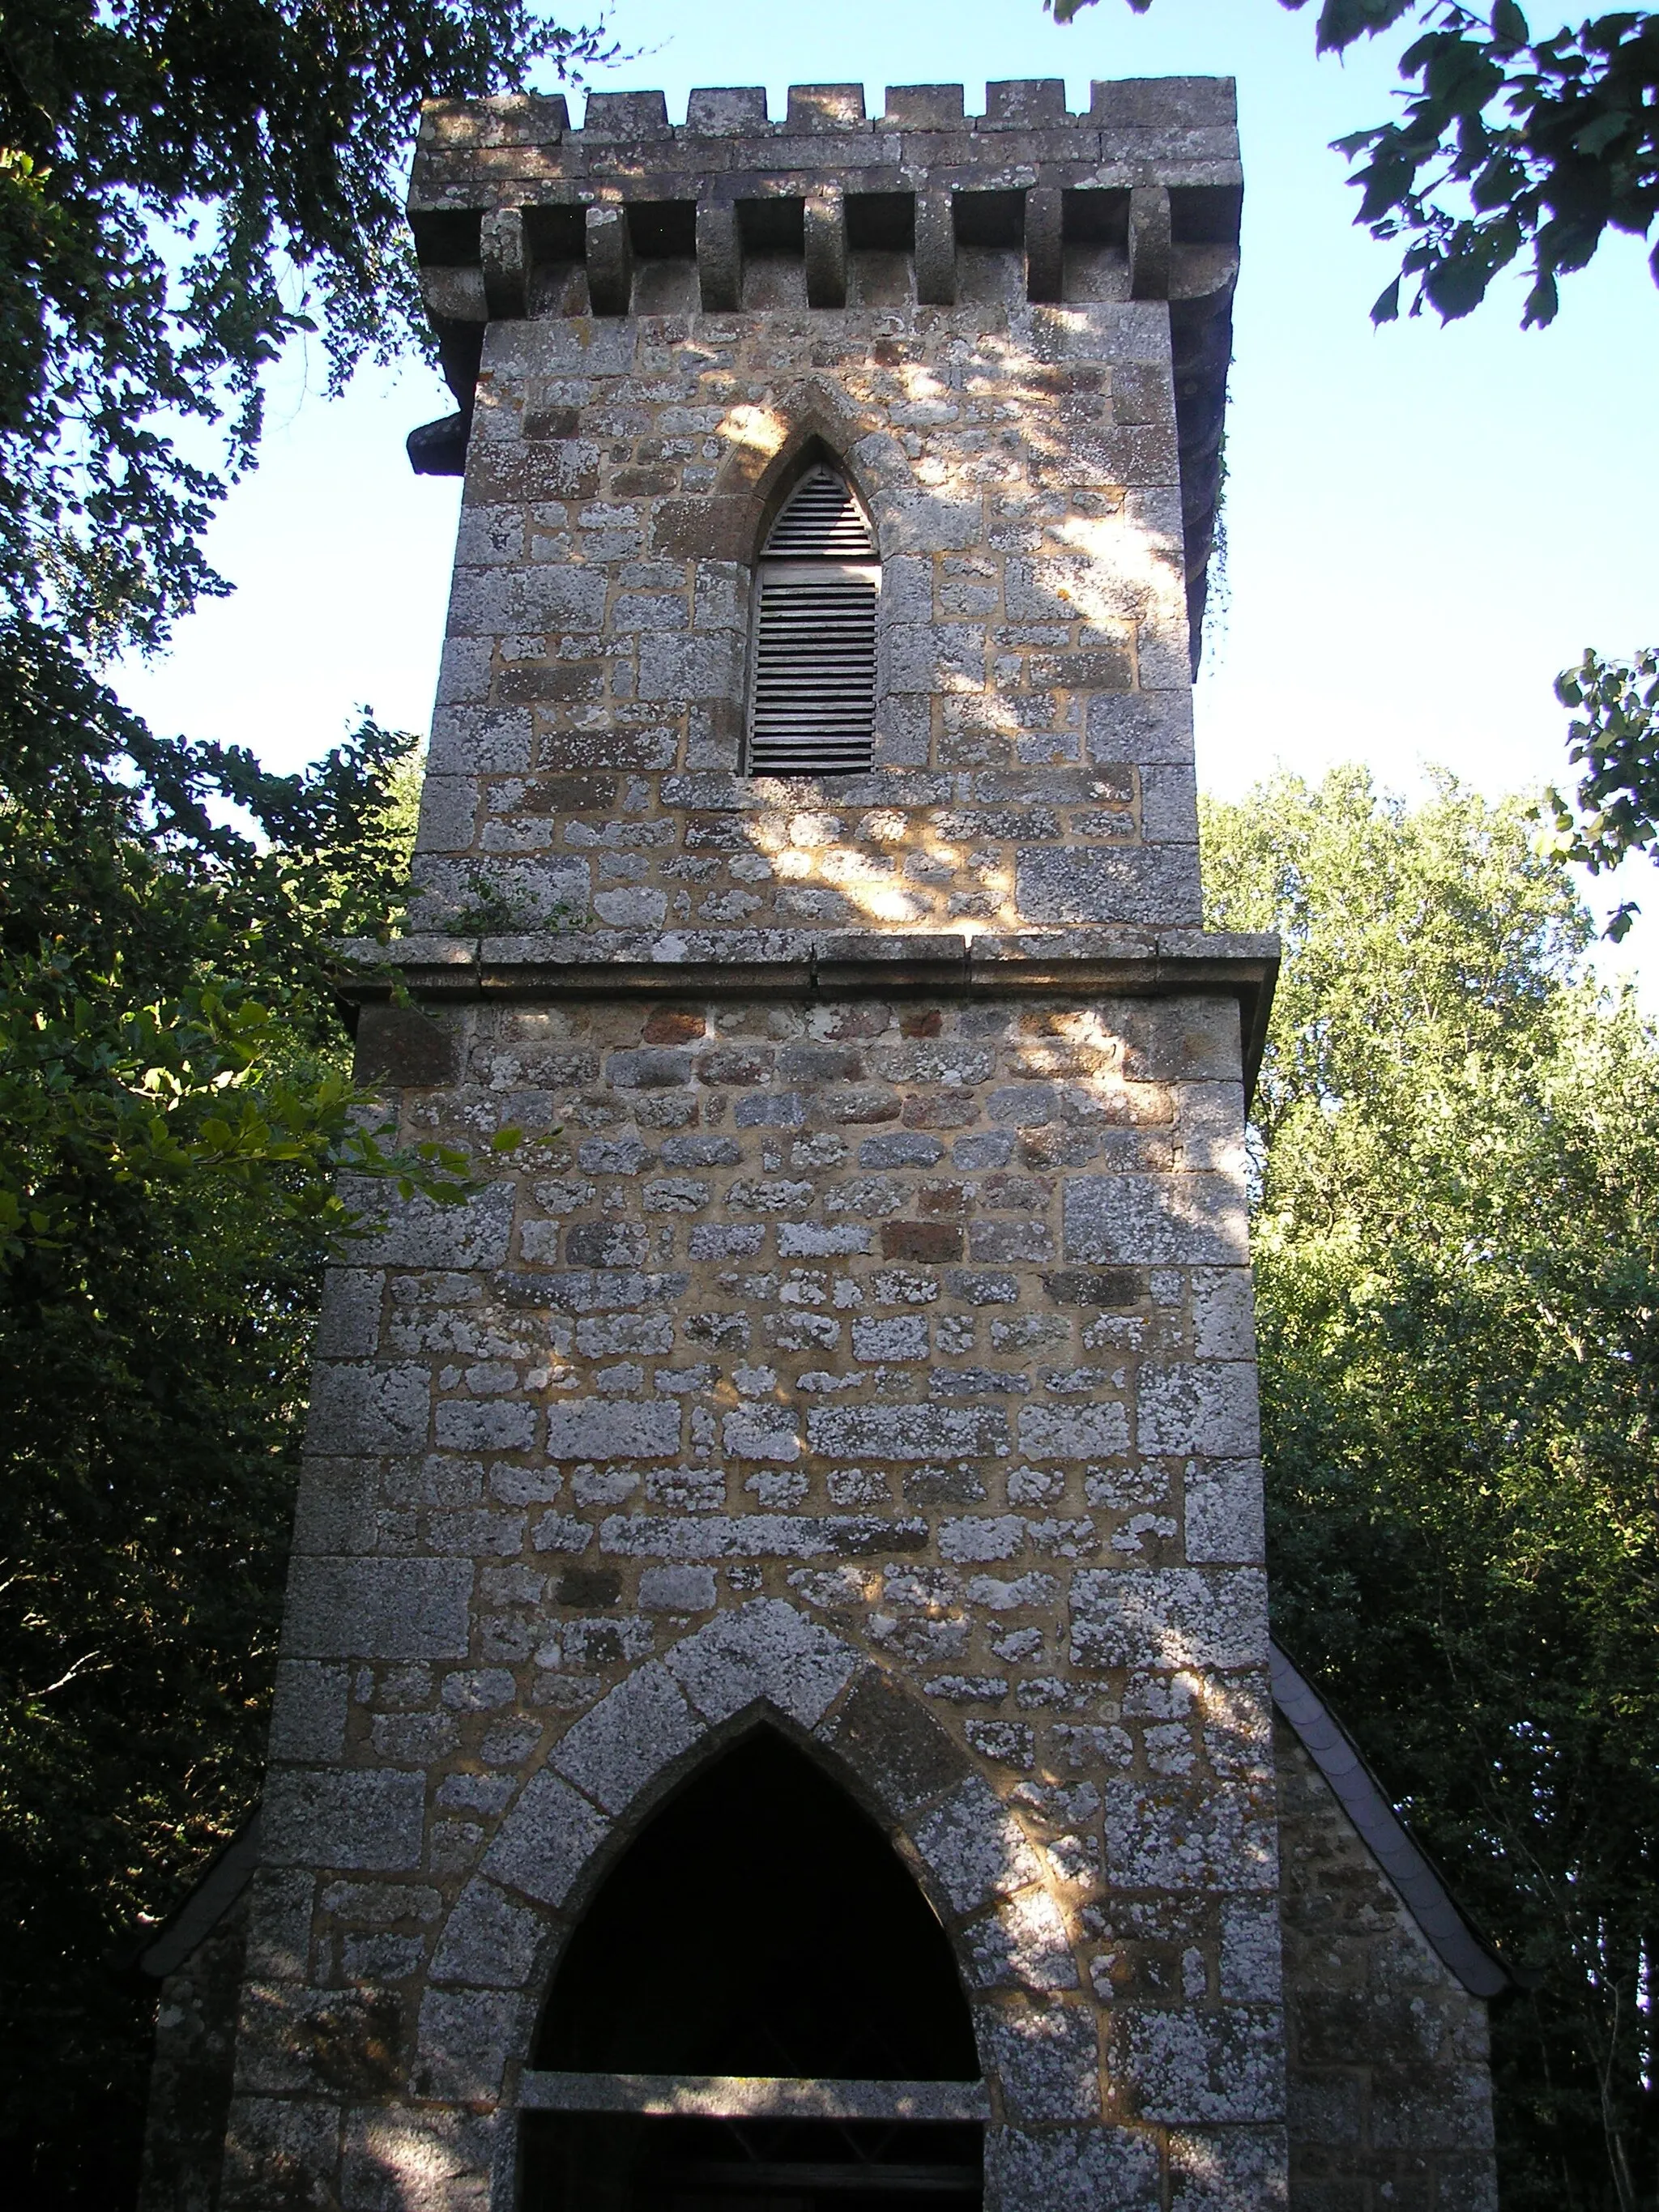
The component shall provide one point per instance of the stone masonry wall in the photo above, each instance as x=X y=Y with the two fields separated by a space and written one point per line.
x=1034 y=755
x=1390 y=2076
x=1388 y=2086
x=825 y=221
x=883 y=1365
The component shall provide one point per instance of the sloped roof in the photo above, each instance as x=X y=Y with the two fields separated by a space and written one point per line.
x=1384 y=1835
x=183 y=1930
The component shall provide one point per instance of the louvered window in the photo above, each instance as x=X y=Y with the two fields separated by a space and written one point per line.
x=812 y=708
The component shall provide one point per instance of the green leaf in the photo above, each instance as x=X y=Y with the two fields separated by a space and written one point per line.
x=1543 y=301
x=1618 y=923
x=1457 y=285
x=1593 y=140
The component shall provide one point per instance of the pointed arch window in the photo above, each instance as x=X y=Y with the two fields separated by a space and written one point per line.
x=812 y=680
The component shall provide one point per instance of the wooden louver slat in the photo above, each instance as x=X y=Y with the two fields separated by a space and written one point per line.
x=812 y=710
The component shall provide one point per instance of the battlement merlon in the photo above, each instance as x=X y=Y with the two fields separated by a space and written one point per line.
x=516 y=214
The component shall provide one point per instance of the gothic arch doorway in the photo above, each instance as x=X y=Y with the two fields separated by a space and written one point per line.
x=759 y=2012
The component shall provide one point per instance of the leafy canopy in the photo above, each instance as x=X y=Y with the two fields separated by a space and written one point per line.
x=1510 y=144
x=1615 y=738
x=1457 y=1272
x=182 y=190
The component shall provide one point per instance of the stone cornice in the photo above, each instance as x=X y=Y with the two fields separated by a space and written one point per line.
x=1080 y=964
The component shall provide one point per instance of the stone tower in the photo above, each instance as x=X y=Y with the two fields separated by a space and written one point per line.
x=775 y=1697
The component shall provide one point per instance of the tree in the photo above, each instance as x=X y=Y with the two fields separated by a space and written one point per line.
x=1510 y=144
x=1614 y=812
x=173 y=1105
x=183 y=191
x=1457 y=1268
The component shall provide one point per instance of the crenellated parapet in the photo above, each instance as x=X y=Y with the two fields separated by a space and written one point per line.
x=516 y=215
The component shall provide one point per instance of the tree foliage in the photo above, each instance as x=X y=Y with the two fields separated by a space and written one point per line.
x=1615 y=738
x=184 y=190
x=173 y=1105
x=1457 y=1266
x=1510 y=145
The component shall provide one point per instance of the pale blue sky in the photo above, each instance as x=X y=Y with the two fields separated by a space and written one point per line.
x=1424 y=524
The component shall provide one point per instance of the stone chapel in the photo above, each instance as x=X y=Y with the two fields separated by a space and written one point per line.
x=776 y=1710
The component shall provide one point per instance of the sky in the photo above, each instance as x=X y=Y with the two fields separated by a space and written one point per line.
x=1424 y=524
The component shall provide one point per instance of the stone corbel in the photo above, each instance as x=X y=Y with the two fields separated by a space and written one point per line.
x=610 y=260
x=453 y=293
x=936 y=250
x=826 y=247
x=1149 y=242
x=719 y=256
x=1044 y=252
x=505 y=265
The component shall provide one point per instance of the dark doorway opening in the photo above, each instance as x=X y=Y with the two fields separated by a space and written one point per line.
x=762 y=1925
x=617 y=2162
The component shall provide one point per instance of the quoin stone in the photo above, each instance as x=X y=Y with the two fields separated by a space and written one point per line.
x=776 y=1698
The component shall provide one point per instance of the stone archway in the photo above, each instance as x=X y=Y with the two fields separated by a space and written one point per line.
x=758 y=2004
x=605 y=1777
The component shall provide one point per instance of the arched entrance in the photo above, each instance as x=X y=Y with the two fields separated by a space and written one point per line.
x=758 y=2013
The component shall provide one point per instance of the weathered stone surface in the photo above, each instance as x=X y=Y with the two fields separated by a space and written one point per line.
x=678 y=1589
x=1224 y=1513
x=598 y=1428
x=1024 y=1945
x=1191 y=1220
x=911 y=1433
x=1155 y=884
x=767 y=1650
x=378 y=1609
x=190 y=2080
x=974 y=1849
x=612 y=1752
x=322 y=1819
x=400 y=1047
x=1210 y=1409
x=895 y=1745
x=1190 y=2067
x=1072 y=2167
x=1235 y=2169
x=349 y=1325
x=547 y=1840
x=416 y=1233
x=277 y=2147
x=464 y=2041
x=1170 y=1835
x=431 y=2161
x=1048 y=2059
x=489 y=1942
x=1186 y=1619
x=367 y=1409
x=308 y=1716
